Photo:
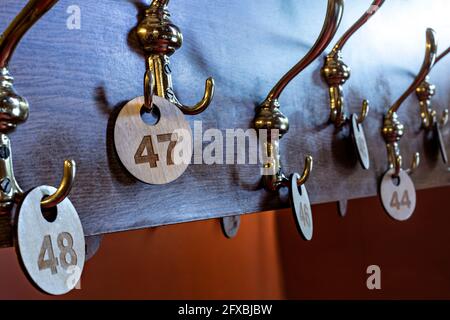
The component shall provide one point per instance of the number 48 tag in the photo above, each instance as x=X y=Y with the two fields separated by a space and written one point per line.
x=301 y=207
x=52 y=252
x=398 y=195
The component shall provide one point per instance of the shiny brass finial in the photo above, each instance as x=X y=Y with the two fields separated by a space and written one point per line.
x=160 y=38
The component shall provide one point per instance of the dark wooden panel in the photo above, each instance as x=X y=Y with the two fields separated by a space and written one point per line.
x=6 y=232
x=76 y=81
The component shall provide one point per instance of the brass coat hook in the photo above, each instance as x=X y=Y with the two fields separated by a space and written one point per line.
x=335 y=73
x=64 y=188
x=33 y=229
x=393 y=129
x=397 y=190
x=429 y=119
x=15 y=109
x=269 y=118
x=23 y=22
x=140 y=145
x=160 y=38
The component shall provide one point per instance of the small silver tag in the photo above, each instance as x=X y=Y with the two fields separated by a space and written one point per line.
x=359 y=139
x=52 y=252
x=301 y=207
x=230 y=226
x=398 y=195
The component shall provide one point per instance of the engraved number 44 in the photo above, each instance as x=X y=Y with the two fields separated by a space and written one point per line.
x=151 y=157
x=396 y=203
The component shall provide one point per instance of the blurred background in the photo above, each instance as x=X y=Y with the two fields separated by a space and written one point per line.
x=268 y=259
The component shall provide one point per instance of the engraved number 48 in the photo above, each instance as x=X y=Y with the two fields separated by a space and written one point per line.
x=47 y=259
x=404 y=201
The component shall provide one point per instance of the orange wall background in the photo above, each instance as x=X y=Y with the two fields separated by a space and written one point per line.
x=268 y=259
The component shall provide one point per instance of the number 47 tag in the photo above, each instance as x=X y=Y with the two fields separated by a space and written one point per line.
x=158 y=153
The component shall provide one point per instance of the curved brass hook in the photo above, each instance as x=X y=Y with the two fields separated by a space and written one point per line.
x=428 y=62
x=31 y=13
x=376 y=4
x=424 y=92
x=200 y=106
x=333 y=18
x=148 y=91
x=335 y=72
x=398 y=164
x=160 y=38
x=14 y=109
x=306 y=171
x=64 y=187
x=268 y=115
x=364 y=111
x=393 y=129
x=392 y=132
x=414 y=163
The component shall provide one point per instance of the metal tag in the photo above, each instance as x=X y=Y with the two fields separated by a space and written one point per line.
x=342 y=207
x=154 y=154
x=230 y=226
x=441 y=143
x=398 y=195
x=359 y=139
x=52 y=253
x=301 y=207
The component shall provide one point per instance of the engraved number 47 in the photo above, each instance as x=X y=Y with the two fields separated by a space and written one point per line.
x=395 y=203
x=152 y=158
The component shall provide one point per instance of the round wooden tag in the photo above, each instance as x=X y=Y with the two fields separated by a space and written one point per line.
x=155 y=154
x=301 y=207
x=398 y=195
x=230 y=226
x=441 y=143
x=52 y=253
x=342 y=207
x=359 y=139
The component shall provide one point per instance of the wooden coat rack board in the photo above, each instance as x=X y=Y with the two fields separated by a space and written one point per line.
x=77 y=80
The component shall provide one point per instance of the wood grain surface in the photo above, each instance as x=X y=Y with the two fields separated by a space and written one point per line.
x=77 y=80
x=6 y=232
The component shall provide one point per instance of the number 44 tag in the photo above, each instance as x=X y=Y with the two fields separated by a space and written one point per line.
x=398 y=195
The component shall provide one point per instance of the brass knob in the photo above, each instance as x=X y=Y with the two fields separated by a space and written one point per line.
x=13 y=108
